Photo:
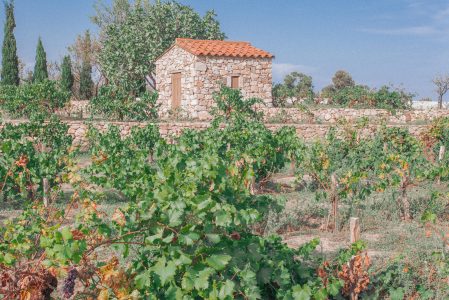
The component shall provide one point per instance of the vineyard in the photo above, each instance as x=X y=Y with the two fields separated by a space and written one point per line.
x=201 y=215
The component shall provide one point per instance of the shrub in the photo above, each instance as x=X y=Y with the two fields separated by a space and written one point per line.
x=361 y=96
x=29 y=153
x=114 y=103
x=35 y=98
x=297 y=87
x=353 y=96
x=392 y=98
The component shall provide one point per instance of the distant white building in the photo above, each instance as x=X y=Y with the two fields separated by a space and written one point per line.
x=428 y=105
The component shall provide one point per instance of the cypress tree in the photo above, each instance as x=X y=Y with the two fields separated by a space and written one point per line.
x=10 y=61
x=86 y=83
x=66 y=74
x=40 y=68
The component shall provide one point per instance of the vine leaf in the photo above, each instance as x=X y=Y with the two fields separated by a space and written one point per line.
x=218 y=262
x=165 y=271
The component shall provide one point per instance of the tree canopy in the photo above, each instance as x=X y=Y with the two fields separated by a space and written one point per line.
x=134 y=36
x=342 y=79
x=296 y=87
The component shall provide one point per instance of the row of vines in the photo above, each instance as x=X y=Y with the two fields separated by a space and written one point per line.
x=189 y=228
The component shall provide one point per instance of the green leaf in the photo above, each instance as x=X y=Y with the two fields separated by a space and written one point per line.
x=174 y=216
x=218 y=262
x=187 y=282
x=173 y=292
x=202 y=280
x=222 y=218
x=300 y=293
x=321 y=294
x=165 y=271
x=214 y=238
x=8 y=259
x=66 y=234
x=226 y=290
x=396 y=294
x=143 y=280
x=334 y=287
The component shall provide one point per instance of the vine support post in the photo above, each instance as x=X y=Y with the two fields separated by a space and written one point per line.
x=440 y=159
x=293 y=166
x=441 y=153
x=46 y=189
x=45 y=183
x=354 y=229
x=403 y=198
x=334 y=200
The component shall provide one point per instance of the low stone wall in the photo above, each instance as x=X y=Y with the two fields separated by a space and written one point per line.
x=79 y=109
x=78 y=129
x=75 y=108
x=334 y=115
x=308 y=132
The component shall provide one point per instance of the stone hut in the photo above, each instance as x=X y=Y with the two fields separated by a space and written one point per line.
x=190 y=71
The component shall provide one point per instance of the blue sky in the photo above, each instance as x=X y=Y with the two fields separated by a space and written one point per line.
x=378 y=41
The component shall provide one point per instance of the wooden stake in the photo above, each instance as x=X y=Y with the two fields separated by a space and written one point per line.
x=293 y=166
x=440 y=158
x=46 y=189
x=334 y=200
x=354 y=230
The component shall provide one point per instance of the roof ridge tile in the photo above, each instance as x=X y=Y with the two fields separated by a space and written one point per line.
x=221 y=48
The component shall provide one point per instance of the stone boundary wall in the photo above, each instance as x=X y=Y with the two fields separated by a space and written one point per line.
x=334 y=115
x=308 y=132
x=79 y=109
x=75 y=108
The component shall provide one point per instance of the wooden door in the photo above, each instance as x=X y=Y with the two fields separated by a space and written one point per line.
x=176 y=90
x=235 y=82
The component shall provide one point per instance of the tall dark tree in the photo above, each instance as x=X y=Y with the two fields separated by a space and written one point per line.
x=40 y=68
x=10 y=61
x=66 y=74
x=86 y=83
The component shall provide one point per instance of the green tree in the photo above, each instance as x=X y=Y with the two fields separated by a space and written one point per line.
x=342 y=79
x=10 y=61
x=107 y=15
x=296 y=87
x=40 y=68
x=86 y=83
x=299 y=85
x=133 y=41
x=66 y=74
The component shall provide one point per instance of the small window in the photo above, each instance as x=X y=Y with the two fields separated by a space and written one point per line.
x=235 y=82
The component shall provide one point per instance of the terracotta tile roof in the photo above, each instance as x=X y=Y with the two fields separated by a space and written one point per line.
x=221 y=48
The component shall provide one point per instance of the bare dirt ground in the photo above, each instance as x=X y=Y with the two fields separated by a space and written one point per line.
x=386 y=236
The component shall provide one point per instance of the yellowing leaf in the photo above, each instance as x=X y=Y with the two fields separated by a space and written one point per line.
x=25 y=295
x=104 y=295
